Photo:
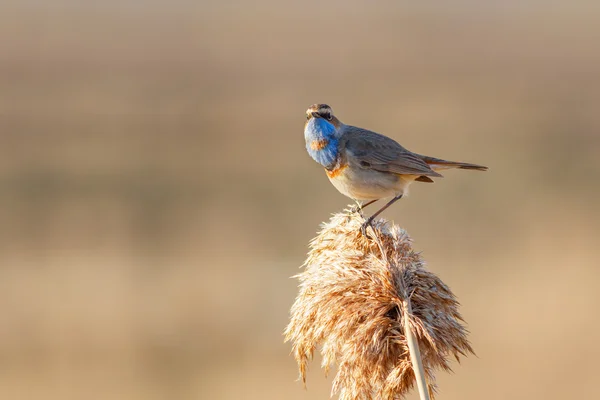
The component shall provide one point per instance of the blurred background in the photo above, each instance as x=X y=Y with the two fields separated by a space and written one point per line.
x=156 y=196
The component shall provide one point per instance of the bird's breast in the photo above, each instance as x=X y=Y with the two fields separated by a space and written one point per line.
x=337 y=171
x=365 y=184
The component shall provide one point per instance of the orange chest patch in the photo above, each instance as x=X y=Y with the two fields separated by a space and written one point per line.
x=336 y=172
x=319 y=144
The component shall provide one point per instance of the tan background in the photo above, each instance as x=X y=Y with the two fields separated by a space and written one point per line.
x=155 y=194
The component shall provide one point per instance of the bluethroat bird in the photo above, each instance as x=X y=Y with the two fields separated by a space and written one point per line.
x=364 y=165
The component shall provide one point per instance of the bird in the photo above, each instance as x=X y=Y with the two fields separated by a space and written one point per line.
x=367 y=166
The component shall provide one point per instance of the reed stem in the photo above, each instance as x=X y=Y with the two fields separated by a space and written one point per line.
x=413 y=343
x=415 y=354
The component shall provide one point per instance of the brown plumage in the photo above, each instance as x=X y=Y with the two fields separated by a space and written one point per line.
x=380 y=153
x=370 y=166
x=438 y=164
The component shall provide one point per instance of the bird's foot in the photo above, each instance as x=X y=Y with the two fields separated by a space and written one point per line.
x=356 y=209
x=364 y=226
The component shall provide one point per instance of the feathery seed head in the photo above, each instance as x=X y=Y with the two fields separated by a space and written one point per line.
x=352 y=304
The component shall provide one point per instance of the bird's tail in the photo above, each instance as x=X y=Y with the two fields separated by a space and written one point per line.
x=437 y=164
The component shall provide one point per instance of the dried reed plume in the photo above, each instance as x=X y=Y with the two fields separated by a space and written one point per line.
x=352 y=303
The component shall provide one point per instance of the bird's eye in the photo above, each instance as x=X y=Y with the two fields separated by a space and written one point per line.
x=327 y=116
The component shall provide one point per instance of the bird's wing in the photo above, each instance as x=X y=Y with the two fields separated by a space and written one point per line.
x=381 y=153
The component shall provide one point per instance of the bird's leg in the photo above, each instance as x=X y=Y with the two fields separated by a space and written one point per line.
x=358 y=207
x=369 y=220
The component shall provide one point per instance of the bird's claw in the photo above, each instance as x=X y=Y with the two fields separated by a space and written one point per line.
x=364 y=226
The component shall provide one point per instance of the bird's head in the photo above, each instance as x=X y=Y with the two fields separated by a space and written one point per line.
x=324 y=112
x=322 y=133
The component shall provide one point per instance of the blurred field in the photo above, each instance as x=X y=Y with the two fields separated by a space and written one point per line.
x=155 y=194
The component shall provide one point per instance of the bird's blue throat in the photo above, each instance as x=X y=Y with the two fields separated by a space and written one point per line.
x=321 y=142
